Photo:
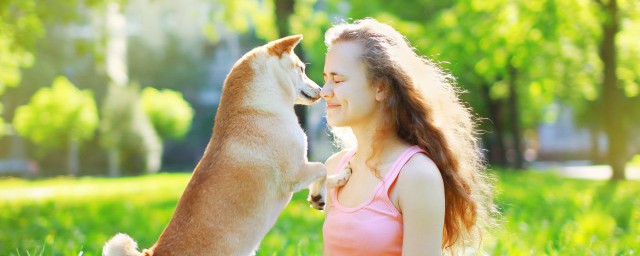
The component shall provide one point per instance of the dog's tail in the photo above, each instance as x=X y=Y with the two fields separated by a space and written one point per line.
x=123 y=245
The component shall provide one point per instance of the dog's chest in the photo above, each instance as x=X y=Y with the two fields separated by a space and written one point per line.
x=298 y=136
x=291 y=132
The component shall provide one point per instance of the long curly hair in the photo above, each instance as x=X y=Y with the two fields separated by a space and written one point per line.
x=422 y=107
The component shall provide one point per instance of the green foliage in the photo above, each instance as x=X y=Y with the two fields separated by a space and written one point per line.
x=240 y=16
x=558 y=217
x=628 y=70
x=580 y=67
x=170 y=114
x=57 y=115
x=22 y=24
x=19 y=28
x=483 y=40
x=635 y=160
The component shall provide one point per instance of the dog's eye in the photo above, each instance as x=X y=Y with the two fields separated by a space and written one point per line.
x=302 y=69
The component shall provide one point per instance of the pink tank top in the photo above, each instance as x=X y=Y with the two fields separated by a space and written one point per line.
x=371 y=228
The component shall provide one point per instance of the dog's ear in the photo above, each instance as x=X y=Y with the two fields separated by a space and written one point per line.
x=283 y=45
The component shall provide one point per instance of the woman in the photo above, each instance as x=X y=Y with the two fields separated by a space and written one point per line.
x=416 y=186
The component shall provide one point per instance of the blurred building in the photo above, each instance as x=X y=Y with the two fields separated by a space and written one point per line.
x=563 y=140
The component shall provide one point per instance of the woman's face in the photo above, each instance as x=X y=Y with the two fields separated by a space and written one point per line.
x=350 y=99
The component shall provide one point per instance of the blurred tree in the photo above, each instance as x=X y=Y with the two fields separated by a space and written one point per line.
x=20 y=27
x=22 y=24
x=59 y=116
x=115 y=50
x=170 y=114
x=241 y=16
x=502 y=51
x=24 y=27
x=127 y=131
x=619 y=84
x=600 y=56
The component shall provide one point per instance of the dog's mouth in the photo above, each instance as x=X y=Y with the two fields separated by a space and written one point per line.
x=307 y=96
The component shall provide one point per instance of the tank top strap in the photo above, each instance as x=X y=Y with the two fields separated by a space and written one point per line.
x=397 y=166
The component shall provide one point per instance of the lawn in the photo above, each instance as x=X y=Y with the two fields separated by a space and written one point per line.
x=542 y=214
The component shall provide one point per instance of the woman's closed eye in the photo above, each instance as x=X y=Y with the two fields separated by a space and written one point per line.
x=338 y=79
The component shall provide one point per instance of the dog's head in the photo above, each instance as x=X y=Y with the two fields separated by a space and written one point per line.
x=292 y=69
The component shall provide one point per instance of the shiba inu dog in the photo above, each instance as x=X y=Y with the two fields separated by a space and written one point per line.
x=253 y=163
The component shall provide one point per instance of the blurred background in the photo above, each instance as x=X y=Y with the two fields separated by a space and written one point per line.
x=123 y=87
x=113 y=88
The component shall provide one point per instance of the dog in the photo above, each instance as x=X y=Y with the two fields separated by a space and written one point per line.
x=255 y=161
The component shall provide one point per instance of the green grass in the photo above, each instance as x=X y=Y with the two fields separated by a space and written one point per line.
x=542 y=215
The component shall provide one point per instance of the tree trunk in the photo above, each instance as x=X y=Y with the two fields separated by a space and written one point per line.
x=114 y=162
x=514 y=116
x=116 y=51
x=612 y=95
x=284 y=9
x=495 y=143
x=116 y=58
x=594 y=151
x=73 y=162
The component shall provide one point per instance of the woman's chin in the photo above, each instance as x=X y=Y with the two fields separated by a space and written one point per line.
x=335 y=123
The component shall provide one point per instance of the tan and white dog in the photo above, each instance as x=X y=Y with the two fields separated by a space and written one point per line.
x=253 y=163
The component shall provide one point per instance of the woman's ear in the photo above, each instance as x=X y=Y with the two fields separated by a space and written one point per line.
x=381 y=92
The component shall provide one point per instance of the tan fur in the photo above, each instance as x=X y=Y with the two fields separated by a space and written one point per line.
x=285 y=46
x=253 y=163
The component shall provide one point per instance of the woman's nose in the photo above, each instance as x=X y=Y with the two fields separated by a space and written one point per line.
x=326 y=92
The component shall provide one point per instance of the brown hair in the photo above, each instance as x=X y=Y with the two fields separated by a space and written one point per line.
x=422 y=107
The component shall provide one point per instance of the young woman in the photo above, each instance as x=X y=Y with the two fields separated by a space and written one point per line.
x=416 y=186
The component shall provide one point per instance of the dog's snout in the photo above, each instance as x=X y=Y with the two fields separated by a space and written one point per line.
x=315 y=92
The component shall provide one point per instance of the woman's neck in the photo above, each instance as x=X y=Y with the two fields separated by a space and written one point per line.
x=366 y=138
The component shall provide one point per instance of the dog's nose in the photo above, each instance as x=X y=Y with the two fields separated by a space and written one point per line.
x=325 y=92
x=314 y=92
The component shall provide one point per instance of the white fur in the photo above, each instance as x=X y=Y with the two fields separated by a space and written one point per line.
x=120 y=245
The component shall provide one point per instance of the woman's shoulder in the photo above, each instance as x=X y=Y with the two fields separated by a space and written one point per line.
x=332 y=162
x=420 y=187
x=420 y=171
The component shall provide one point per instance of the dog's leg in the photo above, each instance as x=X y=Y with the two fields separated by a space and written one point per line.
x=309 y=173
x=318 y=189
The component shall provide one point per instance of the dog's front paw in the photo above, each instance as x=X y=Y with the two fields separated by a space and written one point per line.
x=344 y=177
x=316 y=201
x=339 y=179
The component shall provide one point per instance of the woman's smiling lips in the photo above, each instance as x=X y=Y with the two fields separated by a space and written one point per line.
x=332 y=105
